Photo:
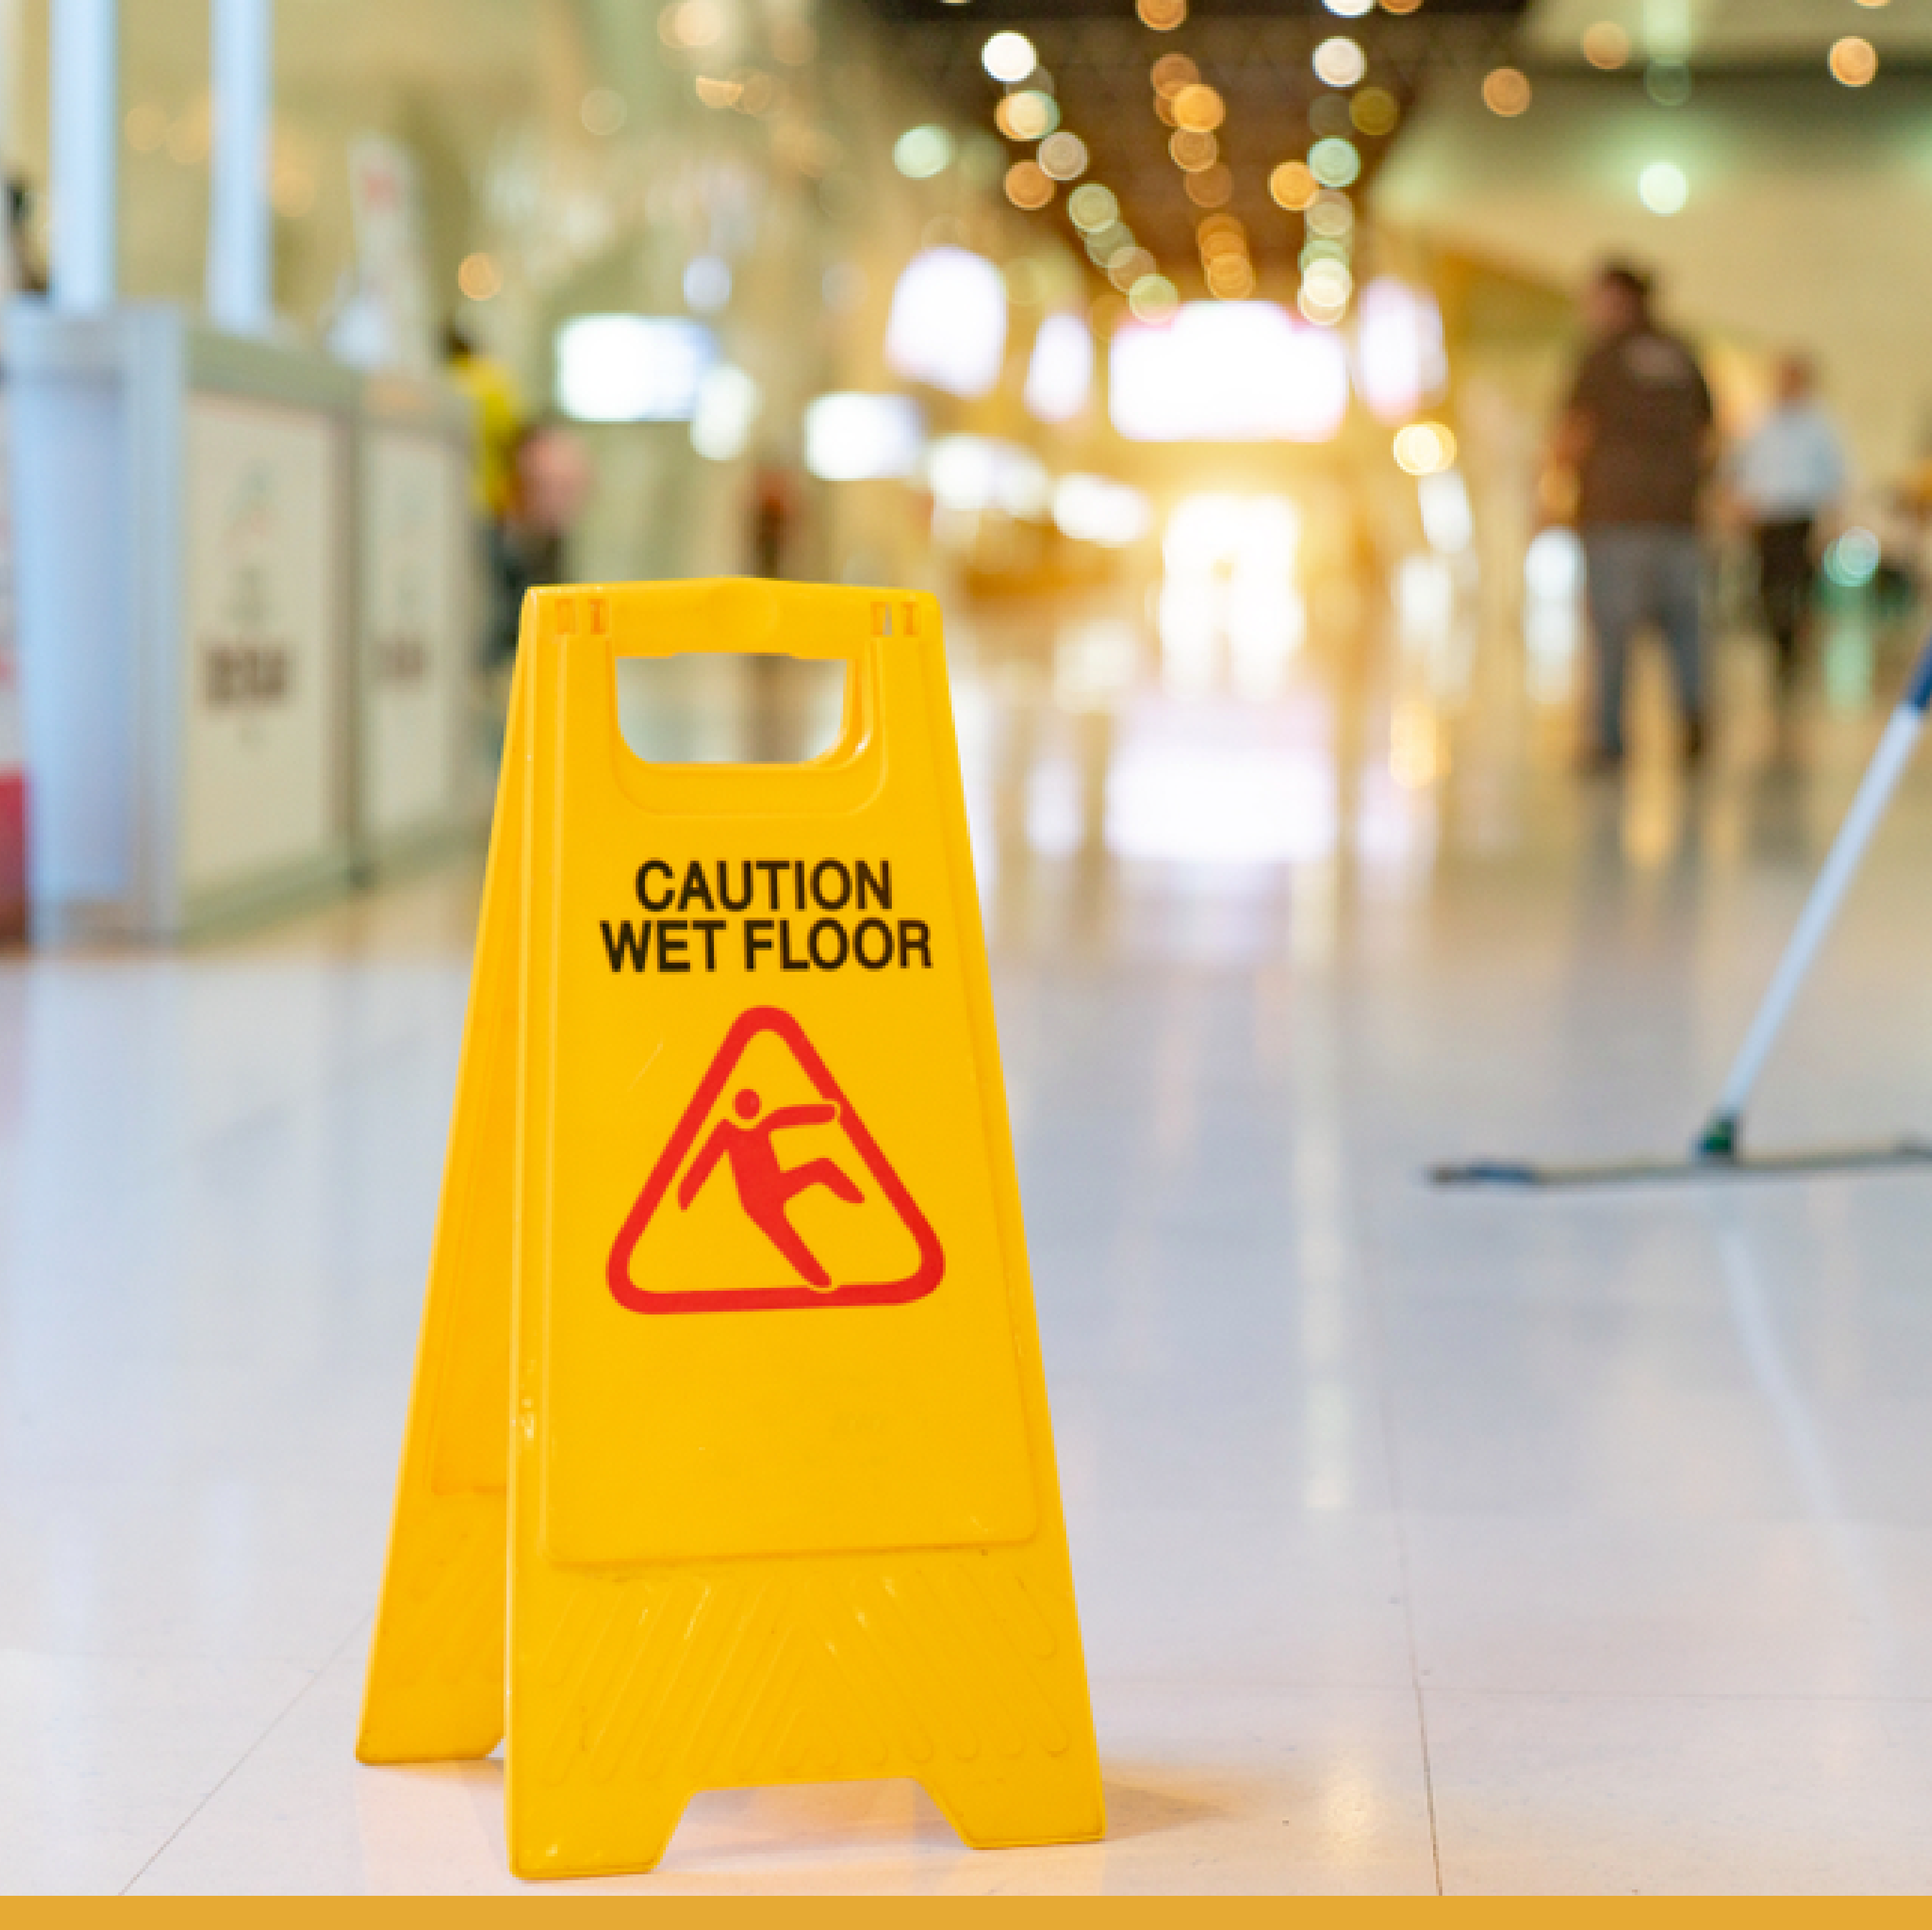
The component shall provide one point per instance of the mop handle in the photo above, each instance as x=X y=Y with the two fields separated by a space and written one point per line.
x=1719 y=1137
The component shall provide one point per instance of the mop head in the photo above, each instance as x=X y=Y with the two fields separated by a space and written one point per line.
x=1703 y=1163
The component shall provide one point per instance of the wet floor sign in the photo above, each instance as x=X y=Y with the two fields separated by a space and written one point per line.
x=730 y=1205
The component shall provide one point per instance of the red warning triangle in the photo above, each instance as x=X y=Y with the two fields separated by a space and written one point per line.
x=771 y=1193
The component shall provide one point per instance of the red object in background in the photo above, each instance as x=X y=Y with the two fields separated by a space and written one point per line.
x=13 y=854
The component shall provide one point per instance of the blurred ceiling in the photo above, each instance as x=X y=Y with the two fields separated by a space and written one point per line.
x=1257 y=56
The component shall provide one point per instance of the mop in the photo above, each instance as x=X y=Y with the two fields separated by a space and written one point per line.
x=1718 y=1151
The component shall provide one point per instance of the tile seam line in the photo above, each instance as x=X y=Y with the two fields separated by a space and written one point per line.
x=1364 y=1244
x=235 y=1768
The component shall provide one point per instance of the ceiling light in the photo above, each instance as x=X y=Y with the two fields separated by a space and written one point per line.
x=1027 y=116
x=1506 y=91
x=1374 y=111
x=1212 y=187
x=1153 y=298
x=1663 y=188
x=1293 y=185
x=1009 y=57
x=1171 y=73
x=1093 y=208
x=1028 y=185
x=1192 y=151
x=1424 y=449
x=1853 y=62
x=1335 y=162
x=854 y=437
x=1064 y=157
x=1340 y=61
x=1606 y=45
x=1199 y=109
x=921 y=152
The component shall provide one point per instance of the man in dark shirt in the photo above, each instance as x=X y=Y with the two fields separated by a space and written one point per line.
x=1638 y=435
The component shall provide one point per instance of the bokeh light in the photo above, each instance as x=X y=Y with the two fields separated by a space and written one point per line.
x=1506 y=91
x=1293 y=185
x=919 y=153
x=1162 y=16
x=1064 y=157
x=1192 y=151
x=1852 y=561
x=1330 y=213
x=1667 y=82
x=479 y=278
x=1199 y=109
x=1424 y=449
x=1334 y=162
x=1171 y=73
x=1009 y=57
x=1029 y=185
x=1027 y=116
x=1212 y=187
x=1375 y=110
x=1340 y=61
x=1153 y=298
x=1854 y=62
x=1663 y=187
x=1093 y=208
x=602 y=111
x=1606 y=45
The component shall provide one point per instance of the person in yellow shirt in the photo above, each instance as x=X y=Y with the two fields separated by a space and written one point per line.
x=500 y=429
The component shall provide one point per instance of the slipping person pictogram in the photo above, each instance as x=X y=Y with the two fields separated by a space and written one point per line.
x=711 y=1251
x=765 y=1188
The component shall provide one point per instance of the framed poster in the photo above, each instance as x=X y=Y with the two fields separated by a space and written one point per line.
x=412 y=636
x=264 y=696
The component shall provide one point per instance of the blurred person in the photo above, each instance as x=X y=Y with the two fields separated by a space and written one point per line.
x=500 y=429
x=1786 y=477
x=1637 y=435
x=26 y=273
x=550 y=480
x=774 y=513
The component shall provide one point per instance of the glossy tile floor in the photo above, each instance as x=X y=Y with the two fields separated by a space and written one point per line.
x=1424 y=1541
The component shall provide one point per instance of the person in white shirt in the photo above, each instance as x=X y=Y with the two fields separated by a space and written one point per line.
x=1785 y=476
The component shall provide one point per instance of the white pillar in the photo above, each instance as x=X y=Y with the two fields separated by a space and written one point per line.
x=85 y=107
x=240 y=236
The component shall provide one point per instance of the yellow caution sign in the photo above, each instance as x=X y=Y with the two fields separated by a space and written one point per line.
x=730 y=1205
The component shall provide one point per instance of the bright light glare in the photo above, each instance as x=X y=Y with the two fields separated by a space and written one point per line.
x=919 y=153
x=1185 y=804
x=1552 y=619
x=1060 y=375
x=1227 y=371
x=948 y=326
x=1446 y=520
x=1424 y=449
x=854 y=437
x=1096 y=509
x=1400 y=363
x=1009 y=57
x=1662 y=188
x=1349 y=10
x=727 y=406
x=1230 y=564
x=978 y=473
x=631 y=368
